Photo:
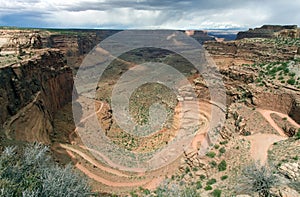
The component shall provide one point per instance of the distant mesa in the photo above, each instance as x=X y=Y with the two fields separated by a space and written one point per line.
x=199 y=35
x=271 y=31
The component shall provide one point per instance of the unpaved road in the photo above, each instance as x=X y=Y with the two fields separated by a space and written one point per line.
x=267 y=115
x=150 y=182
x=260 y=143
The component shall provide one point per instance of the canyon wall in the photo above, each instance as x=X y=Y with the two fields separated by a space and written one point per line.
x=32 y=90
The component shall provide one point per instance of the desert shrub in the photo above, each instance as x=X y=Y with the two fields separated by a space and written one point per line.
x=189 y=192
x=222 y=165
x=224 y=177
x=208 y=187
x=291 y=81
x=216 y=193
x=211 y=154
x=258 y=179
x=187 y=170
x=173 y=190
x=202 y=177
x=213 y=164
x=224 y=142
x=222 y=150
x=211 y=181
x=198 y=185
x=31 y=172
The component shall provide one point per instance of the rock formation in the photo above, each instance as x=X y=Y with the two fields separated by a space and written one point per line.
x=270 y=31
x=32 y=90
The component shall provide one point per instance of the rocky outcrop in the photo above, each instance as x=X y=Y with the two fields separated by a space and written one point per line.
x=295 y=111
x=291 y=170
x=240 y=52
x=283 y=191
x=32 y=91
x=270 y=31
x=16 y=41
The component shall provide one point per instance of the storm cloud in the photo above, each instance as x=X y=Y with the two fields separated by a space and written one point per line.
x=148 y=14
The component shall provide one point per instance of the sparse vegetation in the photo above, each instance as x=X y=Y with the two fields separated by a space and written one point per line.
x=30 y=172
x=208 y=187
x=211 y=181
x=213 y=164
x=211 y=154
x=222 y=150
x=198 y=185
x=258 y=179
x=216 y=193
x=222 y=165
x=224 y=177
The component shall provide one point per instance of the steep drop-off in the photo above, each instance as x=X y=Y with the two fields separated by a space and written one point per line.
x=32 y=90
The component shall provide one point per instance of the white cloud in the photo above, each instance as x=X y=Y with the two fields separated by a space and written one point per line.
x=167 y=14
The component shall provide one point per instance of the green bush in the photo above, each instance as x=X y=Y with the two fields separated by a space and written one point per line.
x=224 y=142
x=213 y=164
x=33 y=173
x=222 y=150
x=222 y=165
x=291 y=81
x=208 y=187
x=187 y=170
x=211 y=154
x=198 y=185
x=211 y=181
x=224 y=177
x=216 y=193
x=202 y=177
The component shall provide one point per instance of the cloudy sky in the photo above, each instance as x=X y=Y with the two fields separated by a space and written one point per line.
x=141 y=14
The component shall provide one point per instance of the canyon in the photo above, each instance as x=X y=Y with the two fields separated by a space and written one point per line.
x=260 y=72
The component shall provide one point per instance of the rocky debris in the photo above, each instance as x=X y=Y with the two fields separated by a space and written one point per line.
x=270 y=31
x=240 y=123
x=283 y=191
x=291 y=170
x=243 y=75
x=106 y=119
x=289 y=131
x=226 y=133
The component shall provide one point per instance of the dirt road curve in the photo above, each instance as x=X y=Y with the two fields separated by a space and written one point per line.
x=148 y=181
x=260 y=143
x=267 y=115
x=93 y=162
